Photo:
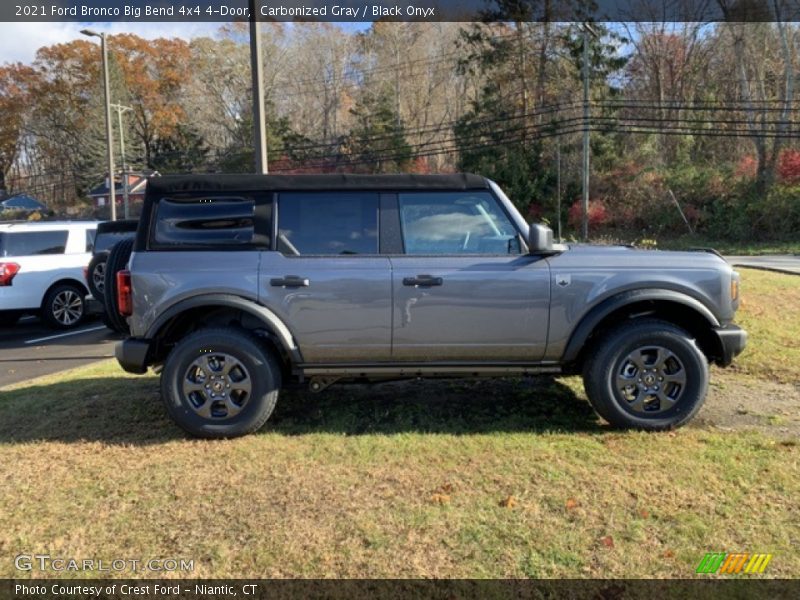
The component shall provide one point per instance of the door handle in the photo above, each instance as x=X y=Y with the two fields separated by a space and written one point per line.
x=289 y=281
x=423 y=281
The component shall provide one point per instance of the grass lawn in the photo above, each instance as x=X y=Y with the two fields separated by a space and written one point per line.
x=501 y=478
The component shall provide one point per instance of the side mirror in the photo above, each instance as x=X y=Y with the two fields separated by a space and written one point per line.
x=540 y=239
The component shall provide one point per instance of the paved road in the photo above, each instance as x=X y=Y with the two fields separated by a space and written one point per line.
x=786 y=263
x=30 y=349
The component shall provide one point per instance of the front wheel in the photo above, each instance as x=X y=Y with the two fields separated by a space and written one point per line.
x=220 y=383
x=647 y=374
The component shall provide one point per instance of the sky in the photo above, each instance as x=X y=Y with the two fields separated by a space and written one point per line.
x=19 y=41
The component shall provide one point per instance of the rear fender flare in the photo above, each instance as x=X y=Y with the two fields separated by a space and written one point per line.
x=262 y=313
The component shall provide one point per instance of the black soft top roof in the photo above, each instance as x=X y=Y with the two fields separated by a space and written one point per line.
x=176 y=184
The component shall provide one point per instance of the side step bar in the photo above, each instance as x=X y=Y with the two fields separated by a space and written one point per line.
x=421 y=369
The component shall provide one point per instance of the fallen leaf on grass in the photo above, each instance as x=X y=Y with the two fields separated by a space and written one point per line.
x=571 y=504
x=509 y=502
x=607 y=541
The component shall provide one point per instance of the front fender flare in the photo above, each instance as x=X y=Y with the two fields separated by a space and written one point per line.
x=269 y=318
x=592 y=319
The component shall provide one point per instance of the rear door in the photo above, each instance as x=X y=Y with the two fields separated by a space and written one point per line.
x=326 y=278
x=463 y=289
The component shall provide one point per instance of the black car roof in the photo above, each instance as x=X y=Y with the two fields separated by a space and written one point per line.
x=176 y=184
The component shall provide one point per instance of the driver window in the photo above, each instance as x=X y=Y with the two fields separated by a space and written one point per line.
x=456 y=223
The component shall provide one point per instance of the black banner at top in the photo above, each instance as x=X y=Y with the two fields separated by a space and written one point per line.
x=401 y=10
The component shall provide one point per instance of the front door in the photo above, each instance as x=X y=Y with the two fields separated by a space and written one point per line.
x=463 y=290
x=326 y=280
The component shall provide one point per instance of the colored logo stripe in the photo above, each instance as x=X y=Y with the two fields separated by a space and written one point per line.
x=737 y=562
x=758 y=563
x=711 y=562
x=733 y=563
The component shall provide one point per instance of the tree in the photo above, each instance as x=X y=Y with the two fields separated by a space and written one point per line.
x=184 y=151
x=93 y=159
x=14 y=102
x=155 y=73
x=764 y=69
x=377 y=142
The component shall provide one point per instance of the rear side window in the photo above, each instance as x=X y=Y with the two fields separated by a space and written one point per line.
x=32 y=243
x=104 y=241
x=209 y=221
x=328 y=223
x=90 y=235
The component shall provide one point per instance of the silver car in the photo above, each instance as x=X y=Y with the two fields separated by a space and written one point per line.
x=238 y=284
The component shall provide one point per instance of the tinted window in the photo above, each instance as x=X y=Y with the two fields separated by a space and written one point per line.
x=220 y=221
x=455 y=223
x=104 y=241
x=328 y=223
x=90 y=234
x=29 y=243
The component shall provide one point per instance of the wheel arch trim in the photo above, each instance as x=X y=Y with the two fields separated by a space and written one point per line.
x=264 y=314
x=64 y=281
x=596 y=314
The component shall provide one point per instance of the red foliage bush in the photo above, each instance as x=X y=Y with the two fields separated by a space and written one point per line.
x=789 y=166
x=746 y=169
x=598 y=214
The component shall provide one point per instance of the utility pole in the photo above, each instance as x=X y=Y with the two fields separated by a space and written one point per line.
x=109 y=135
x=558 y=183
x=256 y=70
x=121 y=109
x=585 y=232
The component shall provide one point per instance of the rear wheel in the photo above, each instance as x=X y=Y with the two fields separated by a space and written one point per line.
x=63 y=306
x=117 y=259
x=647 y=374
x=96 y=276
x=220 y=383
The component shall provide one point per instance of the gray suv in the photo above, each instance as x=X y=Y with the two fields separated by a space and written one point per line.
x=240 y=284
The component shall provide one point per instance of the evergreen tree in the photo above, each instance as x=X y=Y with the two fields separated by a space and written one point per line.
x=183 y=152
x=377 y=141
x=239 y=156
x=93 y=160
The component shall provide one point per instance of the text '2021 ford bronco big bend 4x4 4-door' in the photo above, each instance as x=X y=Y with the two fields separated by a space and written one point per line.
x=238 y=284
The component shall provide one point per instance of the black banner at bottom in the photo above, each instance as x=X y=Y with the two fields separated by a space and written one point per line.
x=454 y=589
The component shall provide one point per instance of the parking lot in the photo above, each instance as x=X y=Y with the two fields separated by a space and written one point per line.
x=30 y=349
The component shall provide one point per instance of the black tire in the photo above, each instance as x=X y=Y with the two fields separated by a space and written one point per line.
x=647 y=374
x=118 y=258
x=107 y=320
x=96 y=277
x=205 y=354
x=64 y=306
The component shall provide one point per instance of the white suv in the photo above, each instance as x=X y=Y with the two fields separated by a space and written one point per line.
x=41 y=270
